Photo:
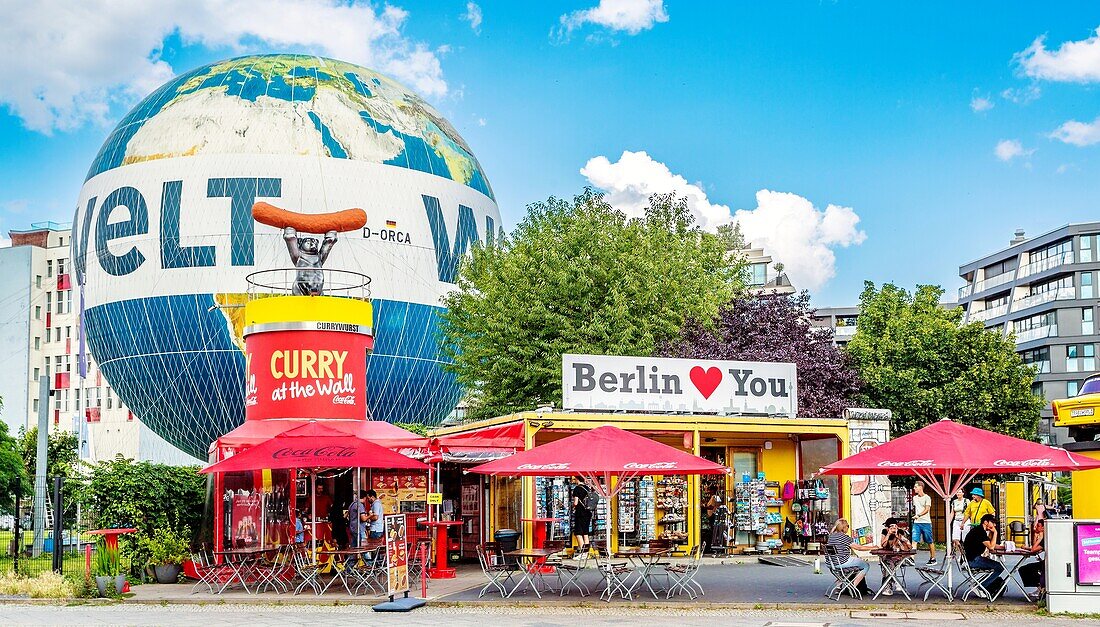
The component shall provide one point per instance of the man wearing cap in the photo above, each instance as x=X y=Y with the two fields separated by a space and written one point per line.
x=978 y=507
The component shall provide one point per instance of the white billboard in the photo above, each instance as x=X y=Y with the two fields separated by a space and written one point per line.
x=659 y=384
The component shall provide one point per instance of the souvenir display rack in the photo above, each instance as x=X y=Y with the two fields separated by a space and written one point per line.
x=671 y=501
x=812 y=516
x=553 y=500
x=636 y=513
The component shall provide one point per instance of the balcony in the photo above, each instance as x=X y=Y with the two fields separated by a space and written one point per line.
x=988 y=314
x=1062 y=293
x=1046 y=264
x=847 y=331
x=983 y=285
x=1041 y=367
x=1037 y=333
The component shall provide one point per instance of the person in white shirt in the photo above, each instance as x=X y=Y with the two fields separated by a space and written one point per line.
x=922 y=520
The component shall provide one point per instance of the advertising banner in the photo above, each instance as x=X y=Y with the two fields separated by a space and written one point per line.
x=306 y=374
x=397 y=555
x=1088 y=553
x=246 y=520
x=679 y=385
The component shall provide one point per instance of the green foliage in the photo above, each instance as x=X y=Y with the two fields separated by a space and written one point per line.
x=168 y=547
x=146 y=496
x=579 y=277
x=916 y=359
x=418 y=428
x=13 y=477
x=62 y=459
x=104 y=559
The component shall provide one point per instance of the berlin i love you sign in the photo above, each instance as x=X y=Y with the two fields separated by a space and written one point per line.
x=679 y=385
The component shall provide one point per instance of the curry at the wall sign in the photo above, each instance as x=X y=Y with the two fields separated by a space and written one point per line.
x=306 y=374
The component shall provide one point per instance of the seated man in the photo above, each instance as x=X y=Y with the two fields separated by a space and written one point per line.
x=979 y=540
x=893 y=538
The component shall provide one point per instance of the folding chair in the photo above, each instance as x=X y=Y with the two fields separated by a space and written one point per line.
x=308 y=570
x=418 y=568
x=615 y=575
x=934 y=577
x=271 y=574
x=208 y=571
x=845 y=577
x=683 y=575
x=371 y=573
x=497 y=573
x=573 y=569
x=973 y=580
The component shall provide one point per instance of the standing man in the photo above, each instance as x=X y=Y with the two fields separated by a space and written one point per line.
x=582 y=517
x=922 y=521
x=357 y=520
x=978 y=508
x=376 y=516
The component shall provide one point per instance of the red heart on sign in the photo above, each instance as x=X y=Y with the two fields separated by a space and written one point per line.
x=706 y=381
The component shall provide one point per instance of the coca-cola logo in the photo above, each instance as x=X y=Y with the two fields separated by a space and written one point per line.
x=558 y=466
x=913 y=463
x=318 y=451
x=653 y=466
x=1000 y=463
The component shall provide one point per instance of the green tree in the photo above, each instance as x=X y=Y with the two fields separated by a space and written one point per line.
x=916 y=359
x=62 y=455
x=579 y=277
x=13 y=477
x=123 y=493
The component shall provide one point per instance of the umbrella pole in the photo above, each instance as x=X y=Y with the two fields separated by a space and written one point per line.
x=313 y=510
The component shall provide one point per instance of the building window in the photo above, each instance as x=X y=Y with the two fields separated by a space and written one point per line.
x=1038 y=358
x=57 y=334
x=1086 y=285
x=1037 y=389
x=997 y=301
x=846 y=321
x=68 y=333
x=38 y=312
x=37 y=343
x=1086 y=321
x=49 y=267
x=49 y=301
x=1080 y=357
x=1088 y=244
x=38 y=281
x=37 y=373
x=1050 y=286
x=1060 y=248
x=68 y=301
x=61 y=266
x=34 y=406
x=1071 y=389
x=758 y=274
x=1048 y=319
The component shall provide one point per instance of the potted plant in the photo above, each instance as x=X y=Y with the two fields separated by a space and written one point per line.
x=168 y=551
x=105 y=567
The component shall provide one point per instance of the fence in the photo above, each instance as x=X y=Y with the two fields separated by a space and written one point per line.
x=58 y=540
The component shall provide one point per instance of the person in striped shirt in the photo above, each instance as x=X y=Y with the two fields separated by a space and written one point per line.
x=841 y=539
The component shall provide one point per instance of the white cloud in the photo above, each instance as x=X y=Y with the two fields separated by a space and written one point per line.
x=1022 y=95
x=786 y=225
x=629 y=16
x=979 y=104
x=473 y=16
x=1078 y=133
x=481 y=121
x=1073 y=61
x=69 y=63
x=1009 y=149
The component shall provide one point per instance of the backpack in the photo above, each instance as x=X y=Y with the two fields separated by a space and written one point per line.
x=591 y=499
x=788 y=491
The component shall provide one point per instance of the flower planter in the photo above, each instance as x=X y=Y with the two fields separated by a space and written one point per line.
x=168 y=573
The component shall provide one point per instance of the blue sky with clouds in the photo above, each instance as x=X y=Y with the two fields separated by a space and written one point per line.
x=856 y=140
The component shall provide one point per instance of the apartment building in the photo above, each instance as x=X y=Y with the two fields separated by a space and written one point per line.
x=39 y=336
x=765 y=276
x=1042 y=289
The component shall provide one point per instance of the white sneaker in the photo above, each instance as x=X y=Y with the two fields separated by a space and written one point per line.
x=889 y=592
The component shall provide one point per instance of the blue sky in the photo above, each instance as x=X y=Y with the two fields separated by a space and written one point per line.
x=931 y=124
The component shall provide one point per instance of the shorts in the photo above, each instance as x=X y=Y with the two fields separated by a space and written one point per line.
x=582 y=522
x=922 y=532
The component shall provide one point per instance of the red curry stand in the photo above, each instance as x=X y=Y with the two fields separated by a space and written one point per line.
x=442 y=569
x=110 y=538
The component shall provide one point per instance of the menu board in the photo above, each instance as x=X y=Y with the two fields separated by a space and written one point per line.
x=397 y=555
x=1087 y=541
x=395 y=488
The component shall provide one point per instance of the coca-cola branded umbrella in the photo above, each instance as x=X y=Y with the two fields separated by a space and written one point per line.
x=603 y=452
x=947 y=455
x=314 y=446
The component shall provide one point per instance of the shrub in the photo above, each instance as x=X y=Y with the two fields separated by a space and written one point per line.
x=168 y=547
x=46 y=585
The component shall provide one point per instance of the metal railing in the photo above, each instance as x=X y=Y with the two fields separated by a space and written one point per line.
x=1043 y=265
x=1037 y=333
x=1062 y=293
x=987 y=314
x=309 y=281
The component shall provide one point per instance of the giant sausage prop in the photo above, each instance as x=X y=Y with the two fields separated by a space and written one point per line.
x=339 y=221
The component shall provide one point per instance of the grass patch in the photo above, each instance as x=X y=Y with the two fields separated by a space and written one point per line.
x=47 y=585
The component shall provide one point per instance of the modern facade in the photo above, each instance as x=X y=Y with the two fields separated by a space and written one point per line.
x=39 y=336
x=842 y=320
x=764 y=275
x=1043 y=290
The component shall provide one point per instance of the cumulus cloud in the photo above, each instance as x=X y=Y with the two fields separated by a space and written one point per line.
x=787 y=225
x=979 y=104
x=1009 y=149
x=1073 y=61
x=68 y=63
x=1078 y=133
x=628 y=16
x=473 y=16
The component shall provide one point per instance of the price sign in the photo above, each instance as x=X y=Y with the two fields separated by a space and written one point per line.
x=435 y=498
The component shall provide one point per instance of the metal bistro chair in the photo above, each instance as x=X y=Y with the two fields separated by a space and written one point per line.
x=683 y=575
x=615 y=575
x=273 y=574
x=418 y=562
x=1017 y=529
x=307 y=569
x=372 y=573
x=208 y=570
x=933 y=577
x=496 y=572
x=844 y=576
x=574 y=569
x=973 y=580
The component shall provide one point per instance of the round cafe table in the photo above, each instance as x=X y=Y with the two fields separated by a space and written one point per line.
x=442 y=569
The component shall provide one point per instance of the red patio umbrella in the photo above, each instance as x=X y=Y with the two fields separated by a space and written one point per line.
x=605 y=452
x=314 y=446
x=947 y=455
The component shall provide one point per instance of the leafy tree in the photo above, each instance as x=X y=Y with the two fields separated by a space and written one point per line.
x=916 y=359
x=579 y=277
x=123 y=493
x=62 y=459
x=775 y=327
x=13 y=478
x=418 y=428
